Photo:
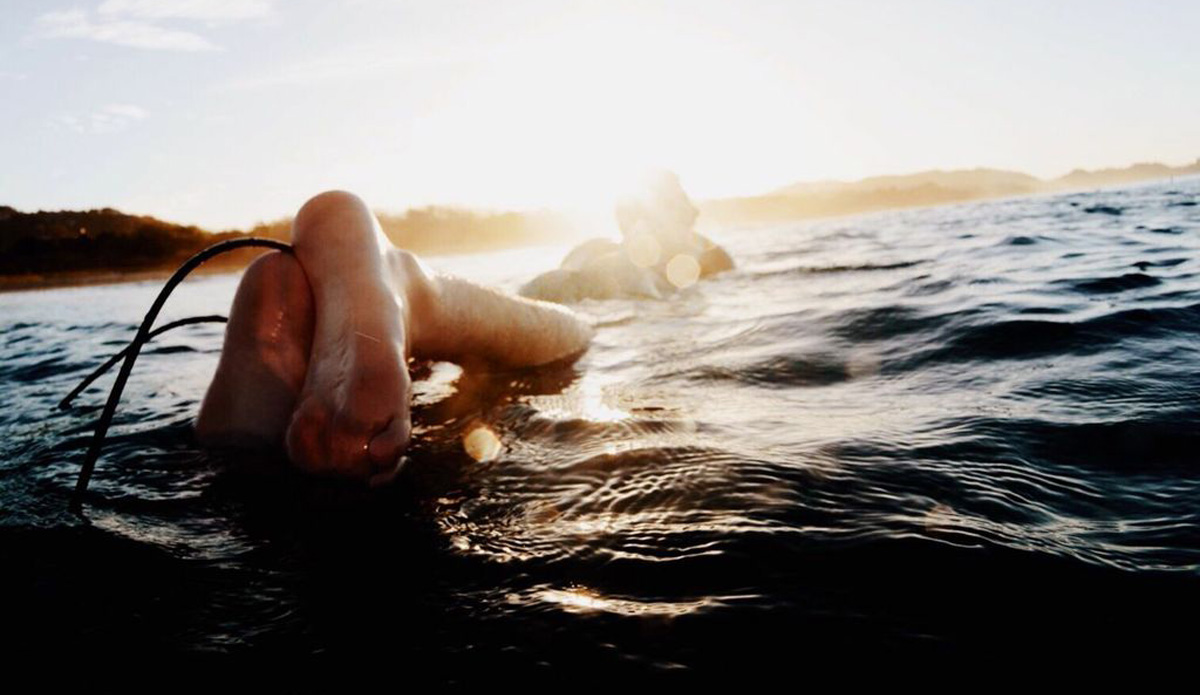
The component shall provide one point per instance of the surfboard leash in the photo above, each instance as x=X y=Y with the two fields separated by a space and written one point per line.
x=131 y=352
x=65 y=403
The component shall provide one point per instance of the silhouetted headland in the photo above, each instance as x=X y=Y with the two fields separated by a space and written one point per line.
x=45 y=249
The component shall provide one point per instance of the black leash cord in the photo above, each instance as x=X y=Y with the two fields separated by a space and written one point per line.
x=135 y=347
x=65 y=403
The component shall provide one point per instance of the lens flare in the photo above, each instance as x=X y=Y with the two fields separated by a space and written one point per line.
x=482 y=444
x=683 y=270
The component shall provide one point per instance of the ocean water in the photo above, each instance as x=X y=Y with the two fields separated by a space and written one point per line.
x=957 y=431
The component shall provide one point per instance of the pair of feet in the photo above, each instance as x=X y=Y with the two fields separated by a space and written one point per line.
x=316 y=348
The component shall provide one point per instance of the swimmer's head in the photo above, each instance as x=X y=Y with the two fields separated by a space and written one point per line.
x=659 y=208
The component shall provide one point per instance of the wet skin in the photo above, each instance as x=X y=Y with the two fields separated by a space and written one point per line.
x=317 y=346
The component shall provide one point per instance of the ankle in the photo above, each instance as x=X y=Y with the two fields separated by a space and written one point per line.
x=420 y=296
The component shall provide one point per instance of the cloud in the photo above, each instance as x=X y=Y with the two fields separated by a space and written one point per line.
x=203 y=10
x=76 y=24
x=108 y=119
x=139 y=23
x=130 y=111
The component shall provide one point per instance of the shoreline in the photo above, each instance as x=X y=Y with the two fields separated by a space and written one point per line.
x=31 y=282
x=967 y=200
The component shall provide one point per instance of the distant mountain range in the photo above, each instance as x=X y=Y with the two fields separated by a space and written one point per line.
x=823 y=198
x=66 y=247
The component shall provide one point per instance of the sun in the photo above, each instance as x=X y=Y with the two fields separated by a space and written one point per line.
x=571 y=119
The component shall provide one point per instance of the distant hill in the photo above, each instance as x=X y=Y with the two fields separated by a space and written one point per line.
x=826 y=198
x=441 y=230
x=1081 y=178
x=989 y=181
x=39 y=249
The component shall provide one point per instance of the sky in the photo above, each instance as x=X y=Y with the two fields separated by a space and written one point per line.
x=222 y=113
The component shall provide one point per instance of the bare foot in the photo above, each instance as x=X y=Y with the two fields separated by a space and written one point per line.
x=315 y=354
x=352 y=417
x=264 y=357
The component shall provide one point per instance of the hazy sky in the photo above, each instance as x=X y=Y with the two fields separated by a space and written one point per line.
x=225 y=112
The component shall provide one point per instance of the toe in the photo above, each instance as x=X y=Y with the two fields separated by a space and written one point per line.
x=388 y=475
x=387 y=445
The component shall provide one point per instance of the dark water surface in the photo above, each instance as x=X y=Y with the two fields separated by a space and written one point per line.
x=954 y=431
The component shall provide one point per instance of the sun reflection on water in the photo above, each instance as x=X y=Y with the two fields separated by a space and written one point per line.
x=582 y=599
x=592 y=399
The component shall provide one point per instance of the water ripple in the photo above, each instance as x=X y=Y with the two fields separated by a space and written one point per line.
x=922 y=430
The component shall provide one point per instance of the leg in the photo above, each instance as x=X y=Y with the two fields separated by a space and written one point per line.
x=264 y=358
x=375 y=305
x=352 y=416
x=466 y=323
x=316 y=350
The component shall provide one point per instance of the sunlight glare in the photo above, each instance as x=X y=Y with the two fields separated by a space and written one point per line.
x=683 y=270
x=643 y=249
x=482 y=444
x=616 y=99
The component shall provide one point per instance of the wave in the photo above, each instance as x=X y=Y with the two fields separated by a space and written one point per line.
x=871 y=435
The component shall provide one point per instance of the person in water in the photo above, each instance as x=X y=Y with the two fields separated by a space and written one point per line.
x=316 y=350
x=660 y=252
x=315 y=358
